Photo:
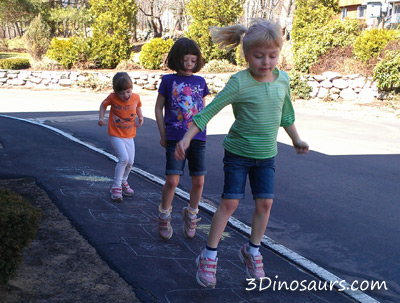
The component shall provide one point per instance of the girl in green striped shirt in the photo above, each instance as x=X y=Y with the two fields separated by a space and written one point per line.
x=260 y=98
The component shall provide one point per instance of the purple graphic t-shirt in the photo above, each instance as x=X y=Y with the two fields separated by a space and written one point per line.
x=183 y=99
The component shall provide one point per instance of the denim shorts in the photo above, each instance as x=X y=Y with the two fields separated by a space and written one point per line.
x=195 y=154
x=261 y=174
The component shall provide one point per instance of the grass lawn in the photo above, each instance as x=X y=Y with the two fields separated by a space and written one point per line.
x=6 y=55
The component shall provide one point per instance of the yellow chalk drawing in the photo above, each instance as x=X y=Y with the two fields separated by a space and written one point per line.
x=90 y=178
x=206 y=229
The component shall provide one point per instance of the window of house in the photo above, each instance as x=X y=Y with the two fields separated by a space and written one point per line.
x=361 y=11
x=344 y=12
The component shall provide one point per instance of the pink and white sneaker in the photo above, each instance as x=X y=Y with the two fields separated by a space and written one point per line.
x=254 y=264
x=189 y=224
x=165 y=230
x=206 y=271
x=126 y=189
x=116 y=194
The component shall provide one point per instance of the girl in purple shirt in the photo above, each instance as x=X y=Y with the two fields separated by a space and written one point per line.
x=180 y=97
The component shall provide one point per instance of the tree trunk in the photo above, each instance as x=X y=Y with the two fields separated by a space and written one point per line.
x=18 y=30
x=179 y=17
x=9 y=32
x=157 y=27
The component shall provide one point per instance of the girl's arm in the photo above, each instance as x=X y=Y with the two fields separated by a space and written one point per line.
x=140 y=116
x=160 y=103
x=102 y=113
x=182 y=145
x=300 y=146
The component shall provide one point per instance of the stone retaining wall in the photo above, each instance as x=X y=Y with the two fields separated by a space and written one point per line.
x=75 y=79
x=334 y=86
x=329 y=85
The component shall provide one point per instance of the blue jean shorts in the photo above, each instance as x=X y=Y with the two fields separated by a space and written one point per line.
x=261 y=174
x=195 y=154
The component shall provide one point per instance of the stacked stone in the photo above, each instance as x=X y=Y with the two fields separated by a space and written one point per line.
x=332 y=86
x=74 y=79
x=329 y=85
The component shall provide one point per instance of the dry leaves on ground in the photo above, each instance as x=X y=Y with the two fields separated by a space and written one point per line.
x=60 y=265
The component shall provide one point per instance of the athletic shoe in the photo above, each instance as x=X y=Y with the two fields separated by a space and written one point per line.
x=254 y=264
x=116 y=194
x=189 y=224
x=164 y=227
x=206 y=271
x=126 y=189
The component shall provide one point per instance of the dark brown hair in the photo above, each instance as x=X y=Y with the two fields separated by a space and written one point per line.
x=121 y=81
x=182 y=47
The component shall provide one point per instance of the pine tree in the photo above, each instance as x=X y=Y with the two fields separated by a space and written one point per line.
x=37 y=37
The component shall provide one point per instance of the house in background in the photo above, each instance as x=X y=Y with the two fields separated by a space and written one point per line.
x=394 y=12
x=375 y=12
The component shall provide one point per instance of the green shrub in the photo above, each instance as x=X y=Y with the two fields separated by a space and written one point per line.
x=306 y=56
x=299 y=87
x=19 y=221
x=113 y=25
x=108 y=51
x=307 y=25
x=69 y=52
x=154 y=52
x=212 y=13
x=319 y=41
x=37 y=37
x=310 y=45
x=371 y=42
x=220 y=66
x=387 y=72
x=14 y=63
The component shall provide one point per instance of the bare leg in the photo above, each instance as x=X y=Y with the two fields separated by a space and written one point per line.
x=260 y=219
x=226 y=208
x=168 y=191
x=196 y=191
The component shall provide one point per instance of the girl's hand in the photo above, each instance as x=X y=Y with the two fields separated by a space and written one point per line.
x=180 y=149
x=141 y=120
x=102 y=122
x=163 y=142
x=301 y=147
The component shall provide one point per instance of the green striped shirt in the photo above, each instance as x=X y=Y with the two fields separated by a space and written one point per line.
x=260 y=108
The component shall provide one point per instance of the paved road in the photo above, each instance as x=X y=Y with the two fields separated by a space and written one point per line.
x=336 y=206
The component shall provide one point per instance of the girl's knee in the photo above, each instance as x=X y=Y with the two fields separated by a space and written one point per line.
x=123 y=161
x=197 y=183
x=228 y=205
x=172 y=181
x=263 y=205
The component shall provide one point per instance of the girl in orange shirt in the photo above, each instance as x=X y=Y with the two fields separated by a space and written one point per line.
x=125 y=106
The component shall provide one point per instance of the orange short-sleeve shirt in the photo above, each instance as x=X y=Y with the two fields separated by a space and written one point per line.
x=121 y=122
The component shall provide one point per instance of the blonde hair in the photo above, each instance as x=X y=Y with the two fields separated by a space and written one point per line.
x=260 y=32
